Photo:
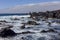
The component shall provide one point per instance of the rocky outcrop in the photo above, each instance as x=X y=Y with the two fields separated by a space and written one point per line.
x=50 y=30
x=32 y=23
x=7 y=32
x=43 y=31
x=47 y=14
x=23 y=26
x=3 y=21
x=14 y=18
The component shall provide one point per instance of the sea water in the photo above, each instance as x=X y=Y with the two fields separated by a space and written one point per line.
x=33 y=28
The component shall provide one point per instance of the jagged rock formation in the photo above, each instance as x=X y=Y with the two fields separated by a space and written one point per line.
x=7 y=32
x=47 y=14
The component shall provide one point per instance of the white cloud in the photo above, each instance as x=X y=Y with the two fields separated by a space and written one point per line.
x=45 y=6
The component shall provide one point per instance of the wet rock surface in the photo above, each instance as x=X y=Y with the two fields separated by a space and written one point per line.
x=3 y=21
x=32 y=23
x=27 y=32
x=6 y=32
x=23 y=26
x=14 y=18
x=43 y=31
x=47 y=14
x=50 y=30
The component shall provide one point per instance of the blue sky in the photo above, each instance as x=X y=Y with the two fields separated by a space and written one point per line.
x=11 y=3
x=24 y=6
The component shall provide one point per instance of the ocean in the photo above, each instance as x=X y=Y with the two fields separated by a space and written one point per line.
x=8 y=14
x=31 y=31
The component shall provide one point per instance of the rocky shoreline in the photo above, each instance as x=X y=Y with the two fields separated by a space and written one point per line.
x=47 y=14
x=29 y=28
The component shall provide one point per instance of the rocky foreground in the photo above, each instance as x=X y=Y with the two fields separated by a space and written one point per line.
x=29 y=28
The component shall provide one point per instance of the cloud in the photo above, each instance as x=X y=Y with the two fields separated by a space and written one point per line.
x=35 y=7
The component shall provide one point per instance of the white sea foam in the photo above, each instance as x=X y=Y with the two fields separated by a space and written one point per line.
x=33 y=28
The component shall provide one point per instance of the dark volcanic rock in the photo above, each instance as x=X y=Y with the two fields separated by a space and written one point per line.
x=3 y=21
x=50 y=30
x=47 y=14
x=15 y=19
x=49 y=24
x=32 y=23
x=10 y=26
x=7 y=32
x=23 y=27
x=43 y=31
x=27 y=32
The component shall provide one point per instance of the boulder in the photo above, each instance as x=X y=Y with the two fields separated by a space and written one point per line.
x=15 y=19
x=51 y=30
x=10 y=26
x=23 y=27
x=43 y=31
x=7 y=32
x=32 y=23
x=3 y=21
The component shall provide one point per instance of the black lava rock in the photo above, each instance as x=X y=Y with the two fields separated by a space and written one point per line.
x=27 y=32
x=43 y=31
x=3 y=21
x=23 y=27
x=51 y=30
x=7 y=32
x=32 y=23
x=15 y=19
x=10 y=26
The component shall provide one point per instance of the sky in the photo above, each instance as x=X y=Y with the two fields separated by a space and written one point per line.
x=19 y=5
